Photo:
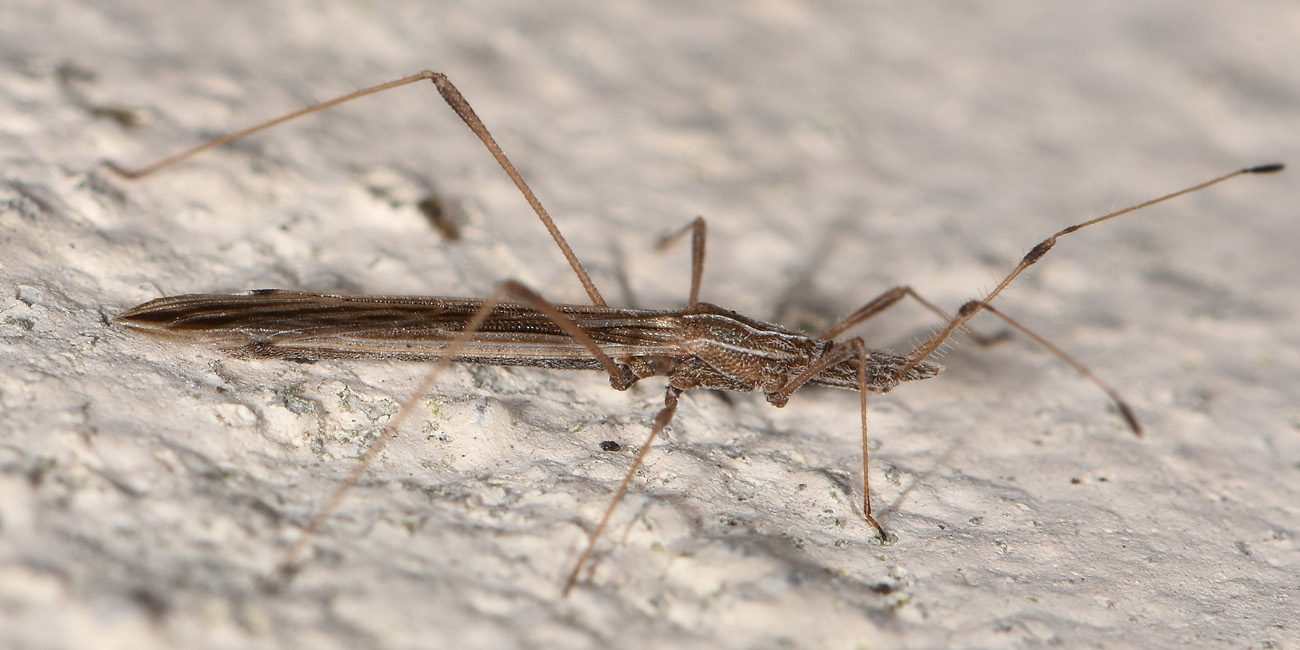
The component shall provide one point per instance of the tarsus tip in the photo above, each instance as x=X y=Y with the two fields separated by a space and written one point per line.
x=1130 y=419
x=129 y=174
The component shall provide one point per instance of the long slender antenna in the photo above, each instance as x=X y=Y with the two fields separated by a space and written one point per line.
x=973 y=307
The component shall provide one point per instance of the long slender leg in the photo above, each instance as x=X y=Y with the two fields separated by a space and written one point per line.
x=973 y=307
x=699 y=233
x=620 y=378
x=893 y=296
x=860 y=349
x=458 y=104
x=661 y=421
x=839 y=352
x=1124 y=409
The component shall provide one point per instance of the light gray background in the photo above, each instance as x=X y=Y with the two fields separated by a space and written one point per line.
x=837 y=149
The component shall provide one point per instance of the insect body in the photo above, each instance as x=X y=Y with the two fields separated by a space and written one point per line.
x=701 y=346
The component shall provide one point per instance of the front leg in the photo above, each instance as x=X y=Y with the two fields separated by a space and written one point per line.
x=853 y=347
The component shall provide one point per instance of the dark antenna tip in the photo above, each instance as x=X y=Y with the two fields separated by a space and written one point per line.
x=1264 y=169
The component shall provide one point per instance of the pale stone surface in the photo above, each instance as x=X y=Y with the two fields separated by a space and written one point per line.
x=836 y=148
